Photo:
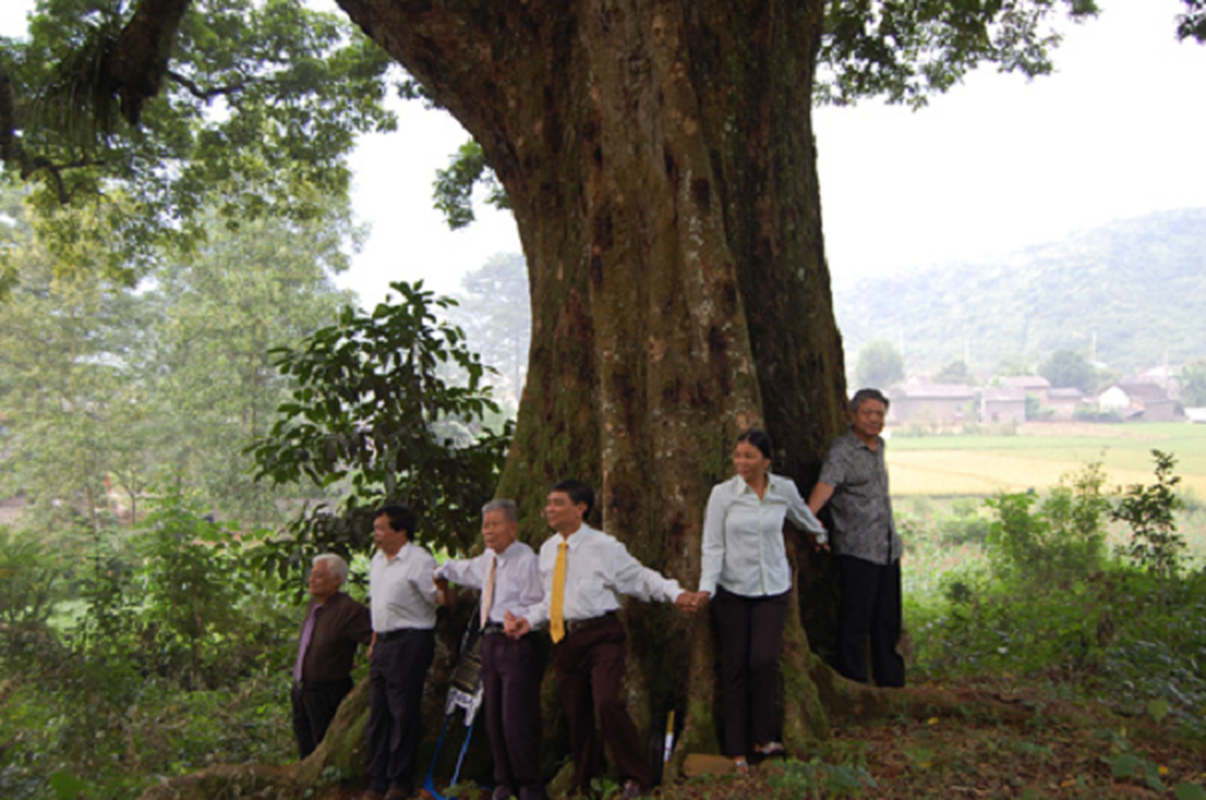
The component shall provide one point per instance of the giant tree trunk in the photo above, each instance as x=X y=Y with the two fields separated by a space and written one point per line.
x=660 y=162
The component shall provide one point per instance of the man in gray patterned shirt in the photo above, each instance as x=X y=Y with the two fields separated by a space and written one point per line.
x=854 y=481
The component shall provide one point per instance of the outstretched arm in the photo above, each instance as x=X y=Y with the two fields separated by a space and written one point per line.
x=819 y=497
x=821 y=493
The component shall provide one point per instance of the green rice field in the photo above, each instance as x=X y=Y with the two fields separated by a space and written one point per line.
x=1039 y=455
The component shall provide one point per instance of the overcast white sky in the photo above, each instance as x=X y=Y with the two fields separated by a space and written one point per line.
x=993 y=166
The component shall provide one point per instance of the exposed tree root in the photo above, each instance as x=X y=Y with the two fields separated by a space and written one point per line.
x=856 y=702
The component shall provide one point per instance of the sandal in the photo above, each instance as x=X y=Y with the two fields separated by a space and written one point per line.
x=741 y=766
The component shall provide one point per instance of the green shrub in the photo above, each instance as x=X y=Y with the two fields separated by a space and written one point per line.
x=31 y=582
x=175 y=654
x=1061 y=540
x=1150 y=511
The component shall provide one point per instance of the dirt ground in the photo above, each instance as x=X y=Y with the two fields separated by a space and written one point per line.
x=1093 y=754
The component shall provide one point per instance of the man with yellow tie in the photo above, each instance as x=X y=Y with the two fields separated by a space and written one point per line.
x=508 y=575
x=585 y=572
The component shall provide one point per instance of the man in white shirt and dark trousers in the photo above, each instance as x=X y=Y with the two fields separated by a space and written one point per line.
x=508 y=575
x=585 y=572
x=403 y=605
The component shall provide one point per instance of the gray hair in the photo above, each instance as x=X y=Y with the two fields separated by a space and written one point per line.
x=508 y=507
x=334 y=563
x=863 y=395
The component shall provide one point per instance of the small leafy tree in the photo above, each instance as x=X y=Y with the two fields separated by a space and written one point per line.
x=189 y=597
x=1150 y=511
x=372 y=411
x=1014 y=365
x=1193 y=383
x=954 y=373
x=880 y=364
x=1069 y=369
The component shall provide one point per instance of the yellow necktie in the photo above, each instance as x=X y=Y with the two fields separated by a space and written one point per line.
x=557 y=604
x=488 y=592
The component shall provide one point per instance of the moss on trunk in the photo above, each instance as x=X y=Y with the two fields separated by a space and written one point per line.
x=660 y=163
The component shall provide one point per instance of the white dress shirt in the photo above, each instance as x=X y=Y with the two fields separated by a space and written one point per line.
x=598 y=571
x=743 y=536
x=516 y=580
x=401 y=594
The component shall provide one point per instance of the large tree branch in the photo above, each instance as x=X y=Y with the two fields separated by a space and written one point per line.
x=11 y=151
x=205 y=94
x=138 y=59
x=473 y=58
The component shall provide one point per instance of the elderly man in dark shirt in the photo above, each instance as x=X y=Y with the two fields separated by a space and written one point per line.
x=854 y=481
x=334 y=625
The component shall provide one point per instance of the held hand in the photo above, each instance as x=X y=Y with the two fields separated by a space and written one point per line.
x=690 y=602
x=817 y=545
x=444 y=594
x=516 y=627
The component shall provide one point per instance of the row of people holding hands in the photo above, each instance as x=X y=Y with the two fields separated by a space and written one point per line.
x=574 y=587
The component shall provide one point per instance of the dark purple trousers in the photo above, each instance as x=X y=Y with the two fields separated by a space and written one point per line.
x=589 y=665
x=511 y=673
x=751 y=640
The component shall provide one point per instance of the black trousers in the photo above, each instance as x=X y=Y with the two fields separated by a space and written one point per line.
x=314 y=706
x=511 y=673
x=589 y=665
x=391 y=737
x=751 y=641
x=869 y=607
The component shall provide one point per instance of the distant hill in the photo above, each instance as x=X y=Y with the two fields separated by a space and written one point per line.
x=1139 y=284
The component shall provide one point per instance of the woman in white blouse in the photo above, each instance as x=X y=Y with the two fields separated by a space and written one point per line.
x=745 y=572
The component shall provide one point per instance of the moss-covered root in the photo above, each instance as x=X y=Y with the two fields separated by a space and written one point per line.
x=224 y=781
x=805 y=716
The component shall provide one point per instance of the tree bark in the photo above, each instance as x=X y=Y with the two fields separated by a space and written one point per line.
x=660 y=162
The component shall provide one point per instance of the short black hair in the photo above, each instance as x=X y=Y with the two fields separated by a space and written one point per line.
x=759 y=439
x=400 y=518
x=578 y=492
x=862 y=395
